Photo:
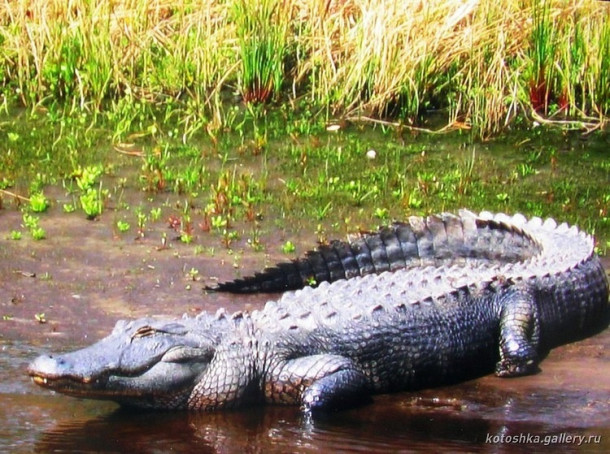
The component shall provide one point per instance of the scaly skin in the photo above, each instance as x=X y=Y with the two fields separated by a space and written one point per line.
x=402 y=245
x=341 y=342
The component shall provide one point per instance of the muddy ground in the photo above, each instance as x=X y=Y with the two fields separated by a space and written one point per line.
x=68 y=290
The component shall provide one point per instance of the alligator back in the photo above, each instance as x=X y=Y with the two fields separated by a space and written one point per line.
x=544 y=256
x=435 y=240
x=418 y=327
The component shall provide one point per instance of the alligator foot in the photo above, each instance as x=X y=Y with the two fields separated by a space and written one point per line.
x=339 y=390
x=510 y=368
x=318 y=383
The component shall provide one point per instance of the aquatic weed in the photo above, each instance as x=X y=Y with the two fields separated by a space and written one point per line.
x=32 y=224
x=122 y=226
x=288 y=247
x=143 y=68
x=38 y=202
x=91 y=202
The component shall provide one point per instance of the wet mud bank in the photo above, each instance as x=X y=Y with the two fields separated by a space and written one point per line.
x=69 y=290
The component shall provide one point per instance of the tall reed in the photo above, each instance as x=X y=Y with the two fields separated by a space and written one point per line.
x=600 y=85
x=542 y=53
x=262 y=28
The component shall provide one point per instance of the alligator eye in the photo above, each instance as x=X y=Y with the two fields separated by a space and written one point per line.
x=143 y=331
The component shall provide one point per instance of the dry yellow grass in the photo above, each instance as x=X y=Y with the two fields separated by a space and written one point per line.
x=359 y=57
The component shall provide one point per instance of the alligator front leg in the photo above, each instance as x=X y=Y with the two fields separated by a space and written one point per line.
x=317 y=382
x=227 y=380
x=519 y=334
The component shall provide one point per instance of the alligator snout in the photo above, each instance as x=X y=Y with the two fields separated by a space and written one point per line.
x=47 y=368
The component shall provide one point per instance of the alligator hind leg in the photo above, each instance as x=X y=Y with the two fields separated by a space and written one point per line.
x=519 y=334
x=317 y=382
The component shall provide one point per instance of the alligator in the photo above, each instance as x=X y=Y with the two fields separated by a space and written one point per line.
x=492 y=293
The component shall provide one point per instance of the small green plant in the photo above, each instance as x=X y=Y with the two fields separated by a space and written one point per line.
x=32 y=224
x=6 y=183
x=156 y=173
x=69 y=208
x=381 y=213
x=193 y=274
x=91 y=203
x=123 y=226
x=311 y=281
x=38 y=233
x=415 y=201
x=228 y=237
x=255 y=241
x=186 y=230
x=30 y=221
x=155 y=214
x=87 y=177
x=219 y=222
x=142 y=218
x=288 y=247
x=526 y=169
x=502 y=197
x=322 y=211
x=38 y=202
x=15 y=235
x=90 y=198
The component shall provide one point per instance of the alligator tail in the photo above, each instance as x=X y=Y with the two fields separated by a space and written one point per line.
x=420 y=241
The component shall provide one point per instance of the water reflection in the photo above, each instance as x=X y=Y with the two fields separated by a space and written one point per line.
x=426 y=421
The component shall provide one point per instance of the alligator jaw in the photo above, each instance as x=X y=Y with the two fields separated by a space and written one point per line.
x=83 y=389
x=87 y=387
x=160 y=384
x=46 y=371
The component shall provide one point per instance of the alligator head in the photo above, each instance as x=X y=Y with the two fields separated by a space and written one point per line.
x=145 y=363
